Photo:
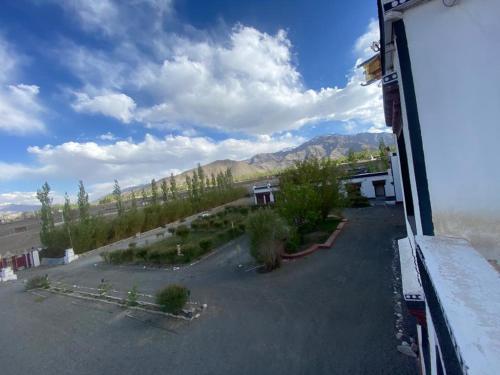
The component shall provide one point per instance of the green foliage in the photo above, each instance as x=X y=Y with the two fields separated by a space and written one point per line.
x=132 y=296
x=308 y=192
x=172 y=298
x=83 y=203
x=267 y=230
x=117 y=195
x=37 y=282
x=206 y=245
x=104 y=288
x=183 y=232
x=46 y=216
x=354 y=197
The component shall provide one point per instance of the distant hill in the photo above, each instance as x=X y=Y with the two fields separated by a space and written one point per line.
x=15 y=208
x=326 y=146
x=332 y=146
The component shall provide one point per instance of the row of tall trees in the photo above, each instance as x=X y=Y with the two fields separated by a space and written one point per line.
x=165 y=204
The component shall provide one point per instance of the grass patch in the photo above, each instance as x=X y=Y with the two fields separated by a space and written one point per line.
x=318 y=234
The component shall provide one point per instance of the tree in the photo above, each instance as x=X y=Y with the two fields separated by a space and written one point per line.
x=195 y=186
x=144 y=197
x=308 y=192
x=117 y=195
x=67 y=216
x=173 y=187
x=134 y=201
x=214 y=182
x=83 y=203
x=46 y=216
x=154 y=192
x=382 y=152
x=201 y=178
x=207 y=183
x=67 y=210
x=351 y=156
x=164 y=191
x=189 y=186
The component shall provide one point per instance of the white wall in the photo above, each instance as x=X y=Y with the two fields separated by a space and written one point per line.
x=396 y=176
x=455 y=59
x=368 y=190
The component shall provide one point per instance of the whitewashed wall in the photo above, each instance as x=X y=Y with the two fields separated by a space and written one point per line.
x=368 y=190
x=455 y=59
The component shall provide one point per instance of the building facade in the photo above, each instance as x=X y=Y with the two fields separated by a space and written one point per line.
x=440 y=76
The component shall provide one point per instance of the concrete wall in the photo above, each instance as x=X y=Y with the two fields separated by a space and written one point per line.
x=455 y=60
x=367 y=188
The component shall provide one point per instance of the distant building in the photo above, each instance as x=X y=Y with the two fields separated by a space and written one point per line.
x=264 y=194
x=440 y=78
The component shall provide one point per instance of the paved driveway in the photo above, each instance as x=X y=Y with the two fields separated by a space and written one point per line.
x=330 y=313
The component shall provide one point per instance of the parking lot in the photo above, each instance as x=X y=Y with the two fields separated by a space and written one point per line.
x=329 y=313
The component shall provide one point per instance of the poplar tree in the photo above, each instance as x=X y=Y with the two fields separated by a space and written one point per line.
x=117 y=194
x=66 y=210
x=214 y=182
x=201 y=178
x=83 y=202
x=164 y=191
x=134 y=201
x=46 y=216
x=144 y=197
x=154 y=192
x=173 y=187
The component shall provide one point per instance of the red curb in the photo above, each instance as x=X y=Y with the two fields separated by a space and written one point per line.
x=326 y=245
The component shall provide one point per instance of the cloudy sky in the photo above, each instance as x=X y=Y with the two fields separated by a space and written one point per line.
x=134 y=90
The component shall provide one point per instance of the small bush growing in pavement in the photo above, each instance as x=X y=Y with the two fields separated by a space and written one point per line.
x=104 y=288
x=205 y=245
x=172 y=298
x=38 y=282
x=132 y=296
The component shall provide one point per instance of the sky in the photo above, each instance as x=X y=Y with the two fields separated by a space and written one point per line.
x=97 y=90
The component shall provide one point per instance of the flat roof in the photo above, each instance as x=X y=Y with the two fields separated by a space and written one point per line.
x=468 y=288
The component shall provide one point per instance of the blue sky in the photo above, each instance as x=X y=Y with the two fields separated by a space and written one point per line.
x=134 y=90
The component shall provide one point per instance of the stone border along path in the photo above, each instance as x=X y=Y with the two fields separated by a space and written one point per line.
x=326 y=245
x=193 y=313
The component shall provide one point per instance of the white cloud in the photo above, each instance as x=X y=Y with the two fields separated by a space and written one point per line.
x=19 y=197
x=20 y=108
x=117 y=105
x=135 y=162
x=246 y=82
x=107 y=137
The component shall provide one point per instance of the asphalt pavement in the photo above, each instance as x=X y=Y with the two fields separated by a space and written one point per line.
x=329 y=313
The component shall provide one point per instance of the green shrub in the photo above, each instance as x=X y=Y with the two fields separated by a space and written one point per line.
x=172 y=298
x=267 y=231
x=226 y=222
x=244 y=210
x=241 y=227
x=171 y=230
x=188 y=254
x=132 y=296
x=127 y=256
x=37 y=282
x=182 y=231
x=206 y=245
x=132 y=245
x=141 y=253
x=293 y=242
x=218 y=224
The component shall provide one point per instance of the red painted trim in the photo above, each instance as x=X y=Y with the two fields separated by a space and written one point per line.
x=325 y=245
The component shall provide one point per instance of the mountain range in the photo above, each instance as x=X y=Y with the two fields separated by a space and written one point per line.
x=333 y=146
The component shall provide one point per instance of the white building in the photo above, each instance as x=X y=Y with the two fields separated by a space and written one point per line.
x=385 y=185
x=440 y=71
